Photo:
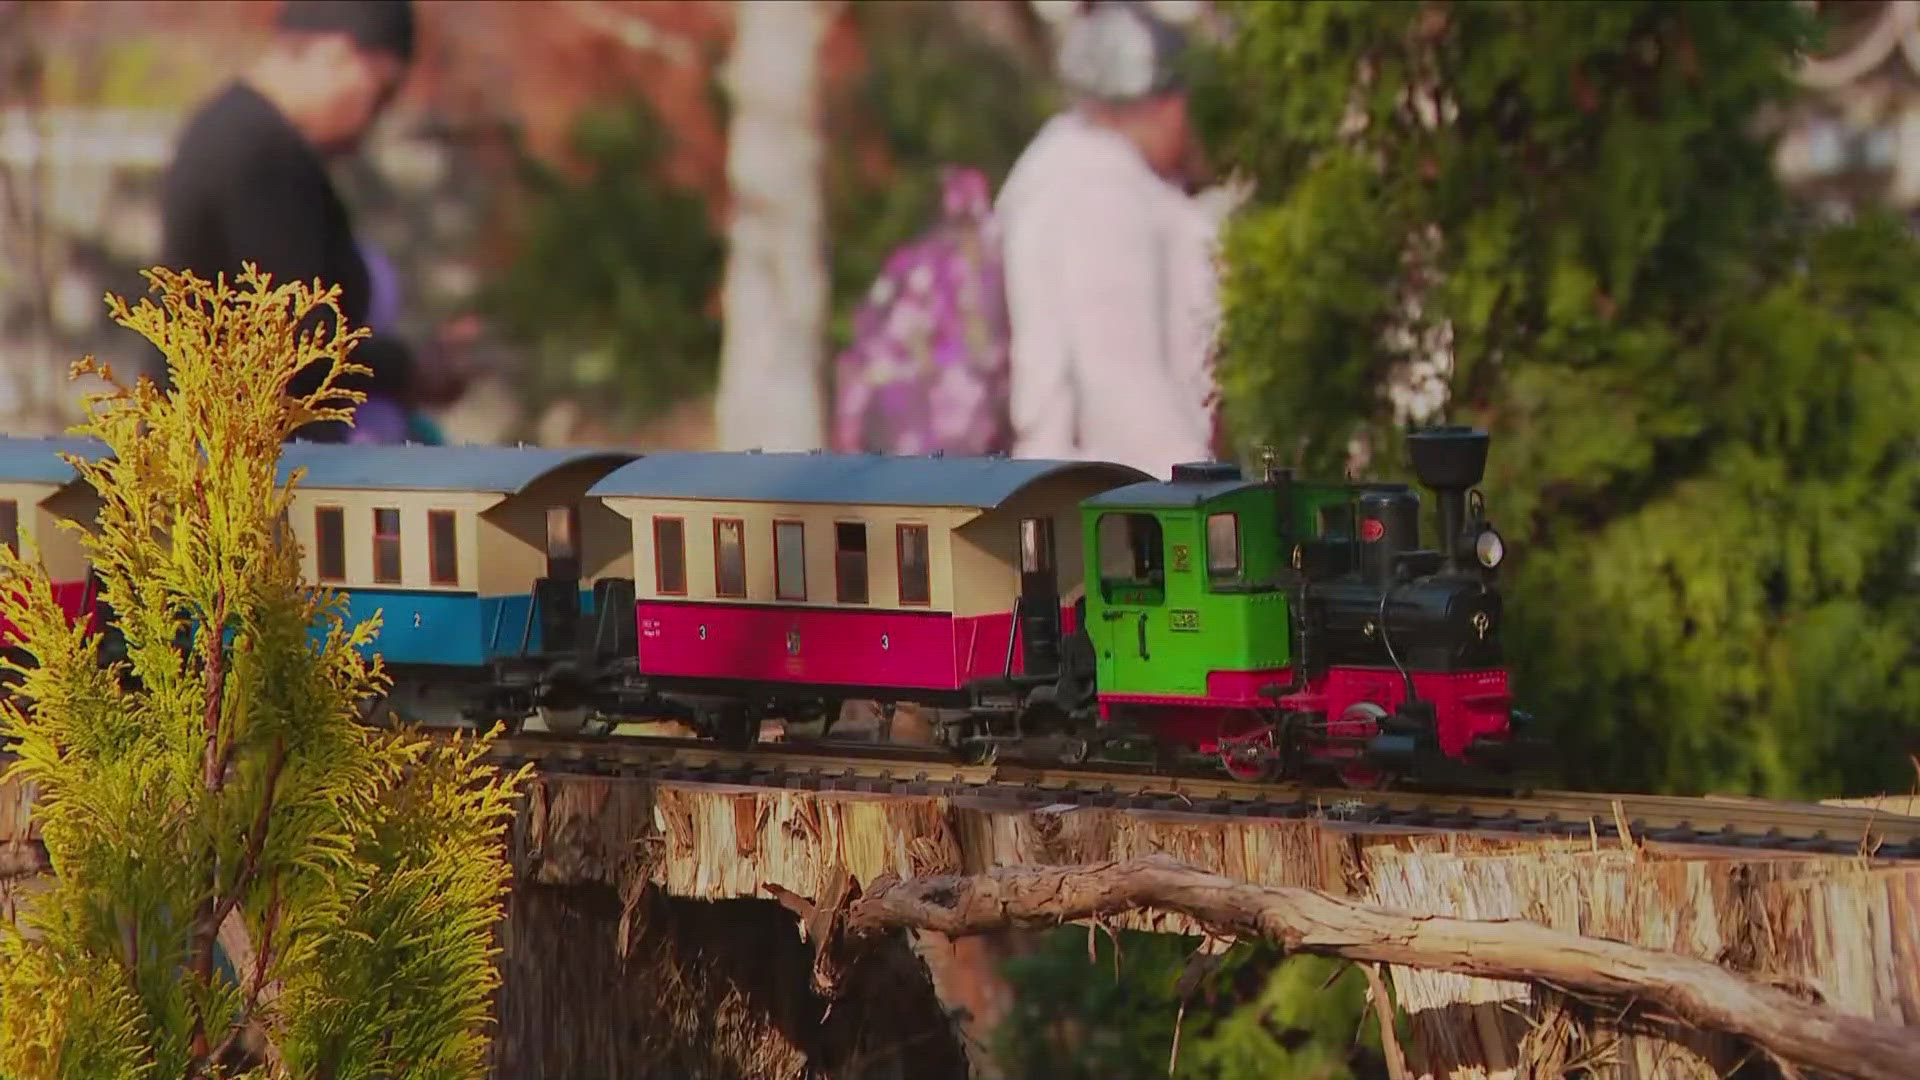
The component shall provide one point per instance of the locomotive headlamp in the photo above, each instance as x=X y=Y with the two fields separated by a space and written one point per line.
x=1489 y=548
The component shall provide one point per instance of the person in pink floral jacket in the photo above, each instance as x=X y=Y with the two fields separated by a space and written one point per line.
x=927 y=369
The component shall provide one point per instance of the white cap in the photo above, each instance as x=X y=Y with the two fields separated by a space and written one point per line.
x=1120 y=51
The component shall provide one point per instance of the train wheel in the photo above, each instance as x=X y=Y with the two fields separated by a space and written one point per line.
x=376 y=710
x=563 y=721
x=1365 y=777
x=1361 y=721
x=736 y=727
x=1074 y=750
x=505 y=726
x=1249 y=758
x=979 y=752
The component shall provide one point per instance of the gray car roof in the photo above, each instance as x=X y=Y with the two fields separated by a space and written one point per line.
x=38 y=461
x=1176 y=493
x=503 y=470
x=856 y=479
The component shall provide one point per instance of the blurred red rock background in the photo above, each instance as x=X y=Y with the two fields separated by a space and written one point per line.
x=92 y=92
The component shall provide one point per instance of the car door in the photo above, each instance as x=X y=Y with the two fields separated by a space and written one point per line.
x=1039 y=598
x=1131 y=561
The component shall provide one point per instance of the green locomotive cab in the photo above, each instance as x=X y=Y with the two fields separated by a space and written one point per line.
x=1301 y=629
x=1189 y=581
x=1192 y=604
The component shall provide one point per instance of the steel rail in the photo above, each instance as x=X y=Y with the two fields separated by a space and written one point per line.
x=1719 y=823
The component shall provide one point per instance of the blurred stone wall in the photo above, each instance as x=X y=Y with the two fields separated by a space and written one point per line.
x=97 y=90
x=92 y=92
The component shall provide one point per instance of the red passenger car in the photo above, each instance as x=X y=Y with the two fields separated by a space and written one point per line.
x=790 y=583
x=39 y=489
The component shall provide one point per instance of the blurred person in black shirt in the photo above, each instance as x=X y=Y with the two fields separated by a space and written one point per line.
x=249 y=178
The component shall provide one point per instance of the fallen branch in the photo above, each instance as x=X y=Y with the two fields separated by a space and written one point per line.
x=1303 y=920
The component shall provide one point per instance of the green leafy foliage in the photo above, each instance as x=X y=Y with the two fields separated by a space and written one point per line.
x=230 y=847
x=1111 y=1007
x=613 y=289
x=1701 y=396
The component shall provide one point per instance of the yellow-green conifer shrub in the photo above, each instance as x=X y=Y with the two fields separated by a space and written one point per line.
x=237 y=863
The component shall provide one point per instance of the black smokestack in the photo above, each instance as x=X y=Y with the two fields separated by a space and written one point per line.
x=1450 y=460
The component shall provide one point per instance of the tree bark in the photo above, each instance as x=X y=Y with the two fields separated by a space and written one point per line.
x=775 y=293
x=23 y=857
x=1303 y=920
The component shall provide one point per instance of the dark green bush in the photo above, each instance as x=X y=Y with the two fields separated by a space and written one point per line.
x=1702 y=398
x=613 y=290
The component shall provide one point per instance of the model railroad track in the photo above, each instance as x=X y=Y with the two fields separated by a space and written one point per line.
x=1723 y=823
x=1755 y=825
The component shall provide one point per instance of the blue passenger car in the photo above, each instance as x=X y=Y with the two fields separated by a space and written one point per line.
x=482 y=560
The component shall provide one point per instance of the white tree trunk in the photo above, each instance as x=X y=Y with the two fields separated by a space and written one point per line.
x=775 y=296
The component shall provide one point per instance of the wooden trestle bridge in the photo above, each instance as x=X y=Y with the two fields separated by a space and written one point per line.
x=1823 y=898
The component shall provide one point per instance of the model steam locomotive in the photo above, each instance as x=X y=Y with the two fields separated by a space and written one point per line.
x=1288 y=629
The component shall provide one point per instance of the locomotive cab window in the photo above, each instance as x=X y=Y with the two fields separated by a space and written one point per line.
x=729 y=557
x=443 y=548
x=850 y=562
x=1223 y=547
x=386 y=545
x=1132 y=558
x=1326 y=548
x=10 y=525
x=1336 y=522
x=916 y=568
x=670 y=556
x=789 y=560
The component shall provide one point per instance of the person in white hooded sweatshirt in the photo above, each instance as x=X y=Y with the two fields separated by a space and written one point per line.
x=1110 y=277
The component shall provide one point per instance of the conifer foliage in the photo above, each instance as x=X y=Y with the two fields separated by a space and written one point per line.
x=235 y=858
x=1702 y=397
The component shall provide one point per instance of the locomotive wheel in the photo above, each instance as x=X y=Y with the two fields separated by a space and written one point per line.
x=1360 y=774
x=1365 y=777
x=1249 y=758
x=1250 y=754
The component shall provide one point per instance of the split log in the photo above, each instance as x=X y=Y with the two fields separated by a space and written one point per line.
x=1303 y=920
